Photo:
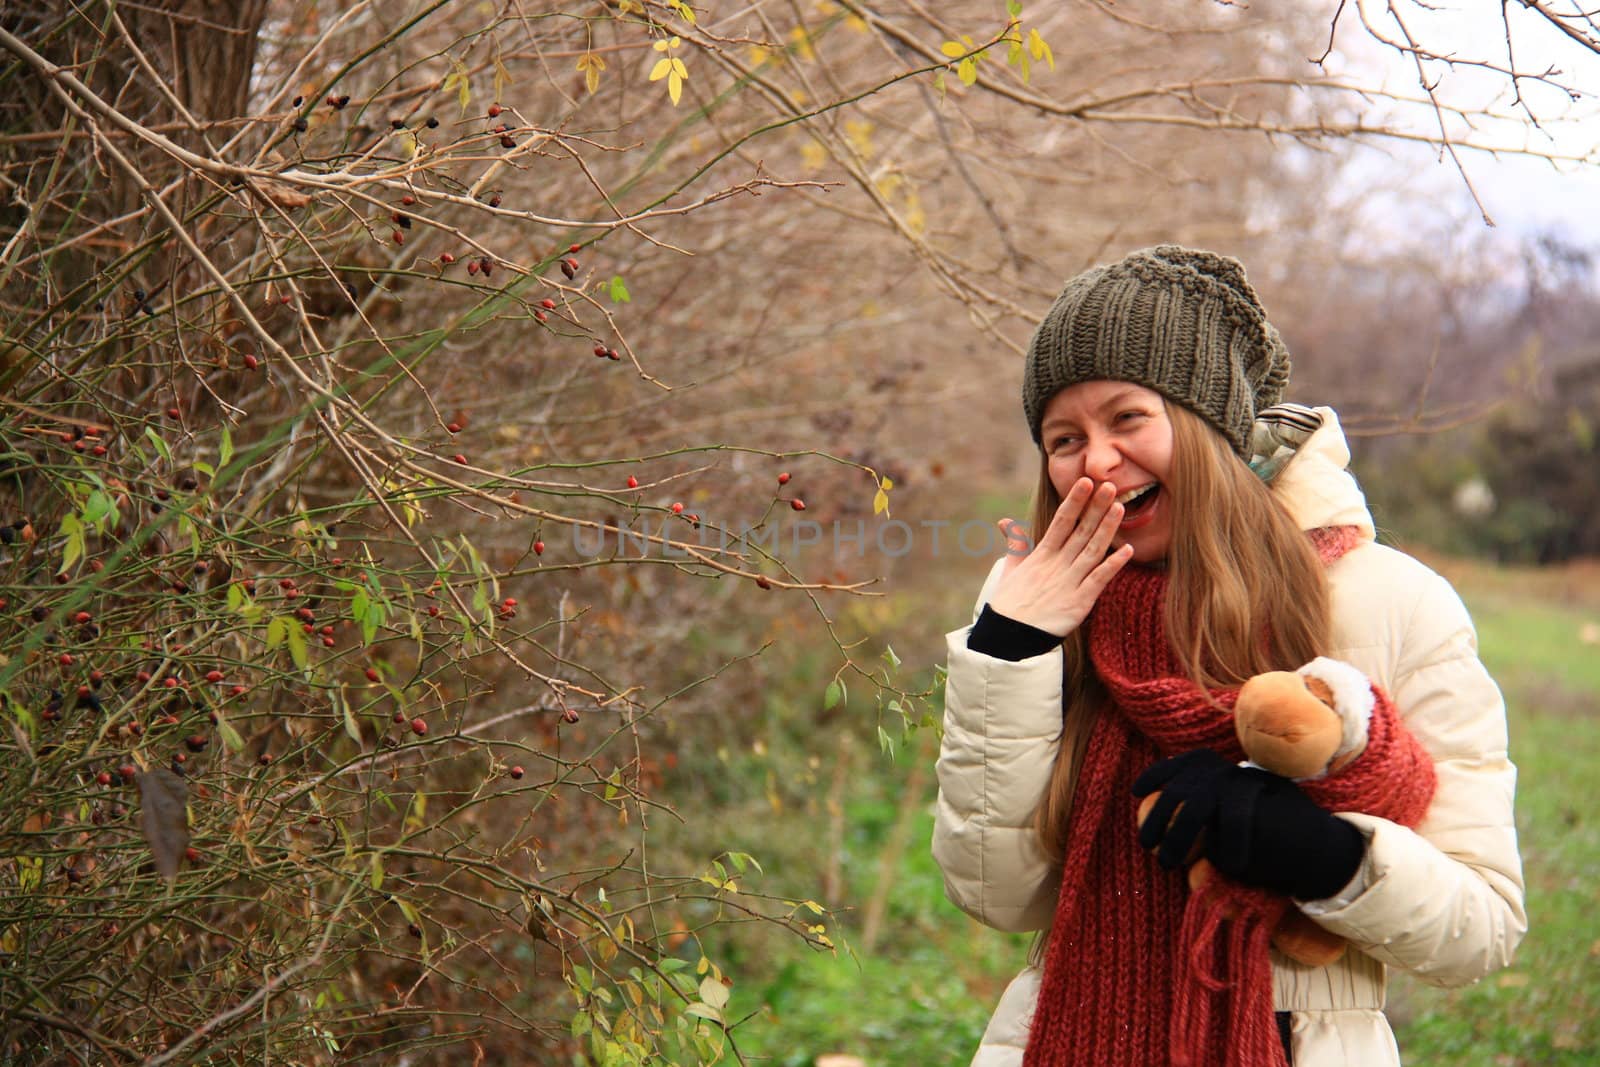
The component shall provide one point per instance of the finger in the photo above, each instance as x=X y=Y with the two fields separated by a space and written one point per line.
x=1155 y=824
x=1101 y=536
x=1018 y=543
x=1065 y=519
x=1101 y=501
x=1095 y=582
x=1188 y=823
x=1159 y=773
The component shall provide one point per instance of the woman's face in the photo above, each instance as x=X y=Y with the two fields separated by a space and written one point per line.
x=1116 y=432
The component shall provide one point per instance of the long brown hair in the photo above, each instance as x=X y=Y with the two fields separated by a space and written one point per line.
x=1246 y=593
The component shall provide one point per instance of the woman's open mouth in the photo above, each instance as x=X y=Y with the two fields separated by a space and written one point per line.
x=1138 y=505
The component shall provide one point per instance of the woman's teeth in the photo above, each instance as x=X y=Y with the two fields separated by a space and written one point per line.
x=1132 y=494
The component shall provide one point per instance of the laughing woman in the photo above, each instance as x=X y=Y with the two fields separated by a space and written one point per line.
x=1195 y=535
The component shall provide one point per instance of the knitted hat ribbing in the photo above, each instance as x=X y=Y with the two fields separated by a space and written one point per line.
x=1183 y=322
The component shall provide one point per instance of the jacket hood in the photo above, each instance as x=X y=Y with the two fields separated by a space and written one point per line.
x=1316 y=487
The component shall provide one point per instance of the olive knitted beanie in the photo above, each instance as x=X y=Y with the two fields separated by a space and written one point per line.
x=1183 y=322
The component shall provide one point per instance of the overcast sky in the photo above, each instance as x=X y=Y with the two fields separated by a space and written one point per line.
x=1519 y=193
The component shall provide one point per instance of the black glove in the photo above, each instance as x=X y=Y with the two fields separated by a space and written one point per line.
x=1259 y=828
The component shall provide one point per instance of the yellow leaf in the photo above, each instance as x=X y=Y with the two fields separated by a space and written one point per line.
x=813 y=155
x=626 y=7
x=679 y=69
x=662 y=68
x=859 y=132
x=675 y=87
x=880 y=502
x=591 y=65
x=1040 y=50
x=758 y=54
x=886 y=484
x=967 y=71
x=952 y=49
x=802 y=43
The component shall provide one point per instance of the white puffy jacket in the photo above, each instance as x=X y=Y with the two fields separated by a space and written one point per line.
x=1443 y=902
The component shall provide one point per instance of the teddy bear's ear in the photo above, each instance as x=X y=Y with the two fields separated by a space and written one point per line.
x=1284 y=728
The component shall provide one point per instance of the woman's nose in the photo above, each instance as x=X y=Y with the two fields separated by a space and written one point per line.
x=1101 y=457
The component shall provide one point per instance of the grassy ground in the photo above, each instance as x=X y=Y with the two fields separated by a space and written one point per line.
x=924 y=991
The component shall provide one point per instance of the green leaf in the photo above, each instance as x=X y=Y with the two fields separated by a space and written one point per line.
x=161 y=446
x=205 y=468
x=225 y=450
x=297 y=646
x=277 y=631
x=1014 y=8
x=72 y=529
x=885 y=742
x=704 y=1011
x=889 y=656
x=376 y=879
x=834 y=694
x=351 y=727
x=619 y=291
x=230 y=736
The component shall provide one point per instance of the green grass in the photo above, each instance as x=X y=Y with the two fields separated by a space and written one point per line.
x=924 y=994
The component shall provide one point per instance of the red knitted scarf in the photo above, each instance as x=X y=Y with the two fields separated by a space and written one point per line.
x=1138 y=971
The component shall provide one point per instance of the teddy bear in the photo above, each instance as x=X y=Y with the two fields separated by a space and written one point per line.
x=1303 y=725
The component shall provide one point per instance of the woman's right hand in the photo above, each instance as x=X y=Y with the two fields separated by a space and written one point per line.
x=1054 y=586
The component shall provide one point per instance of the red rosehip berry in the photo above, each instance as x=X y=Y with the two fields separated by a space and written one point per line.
x=372 y=674
x=213 y=676
x=328 y=642
x=797 y=504
x=65 y=659
x=783 y=479
x=128 y=772
x=677 y=508
x=761 y=580
x=173 y=412
x=238 y=690
x=472 y=266
x=251 y=362
x=454 y=427
x=408 y=200
x=191 y=854
x=446 y=258
x=433 y=611
x=419 y=727
x=540 y=316
x=170 y=682
x=264 y=759
x=516 y=772
x=459 y=458
x=538 y=548
x=494 y=110
x=574 y=248
x=399 y=716
x=547 y=304
x=142 y=676
x=633 y=483
x=103 y=778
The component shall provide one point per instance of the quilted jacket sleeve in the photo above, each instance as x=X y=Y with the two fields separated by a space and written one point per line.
x=1001 y=725
x=1443 y=902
